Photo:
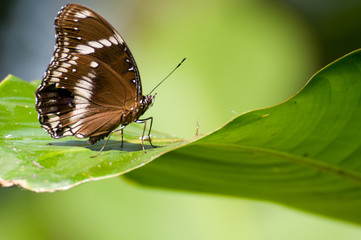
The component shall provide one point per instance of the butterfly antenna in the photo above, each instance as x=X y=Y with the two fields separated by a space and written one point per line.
x=168 y=75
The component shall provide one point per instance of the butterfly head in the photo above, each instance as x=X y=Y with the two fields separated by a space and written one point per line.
x=148 y=101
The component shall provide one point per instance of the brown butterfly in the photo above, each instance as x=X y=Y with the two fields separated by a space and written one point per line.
x=92 y=84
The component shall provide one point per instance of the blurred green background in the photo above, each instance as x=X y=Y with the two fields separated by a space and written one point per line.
x=241 y=55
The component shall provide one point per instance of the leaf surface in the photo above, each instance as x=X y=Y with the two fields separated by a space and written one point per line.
x=304 y=153
x=29 y=157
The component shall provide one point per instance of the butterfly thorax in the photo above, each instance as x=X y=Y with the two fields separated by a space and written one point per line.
x=133 y=114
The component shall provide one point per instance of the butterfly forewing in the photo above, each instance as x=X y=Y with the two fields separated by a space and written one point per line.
x=92 y=83
x=81 y=30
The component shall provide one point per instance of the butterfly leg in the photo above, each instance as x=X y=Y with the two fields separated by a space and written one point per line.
x=150 y=129
x=103 y=146
x=121 y=132
x=116 y=130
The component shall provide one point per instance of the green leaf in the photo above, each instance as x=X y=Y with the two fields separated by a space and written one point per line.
x=304 y=153
x=30 y=158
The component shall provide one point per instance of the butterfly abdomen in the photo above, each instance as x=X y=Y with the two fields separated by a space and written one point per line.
x=93 y=140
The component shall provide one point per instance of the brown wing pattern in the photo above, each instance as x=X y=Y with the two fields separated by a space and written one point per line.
x=92 y=72
x=80 y=29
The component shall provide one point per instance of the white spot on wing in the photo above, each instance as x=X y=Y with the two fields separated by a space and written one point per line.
x=84 y=84
x=95 y=44
x=80 y=100
x=80 y=91
x=91 y=75
x=56 y=74
x=61 y=69
x=83 y=14
x=113 y=40
x=79 y=135
x=87 y=79
x=94 y=64
x=72 y=62
x=54 y=80
x=67 y=133
x=54 y=122
x=119 y=38
x=105 y=42
x=84 y=49
x=87 y=13
x=77 y=114
x=64 y=55
x=66 y=65
x=75 y=128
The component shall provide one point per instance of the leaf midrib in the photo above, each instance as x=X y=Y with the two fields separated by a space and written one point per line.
x=315 y=164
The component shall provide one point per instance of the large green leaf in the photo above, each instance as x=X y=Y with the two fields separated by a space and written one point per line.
x=304 y=153
x=33 y=160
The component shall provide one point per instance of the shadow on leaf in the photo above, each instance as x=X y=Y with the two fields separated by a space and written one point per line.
x=111 y=145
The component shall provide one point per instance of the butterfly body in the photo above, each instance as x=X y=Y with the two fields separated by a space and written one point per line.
x=92 y=84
